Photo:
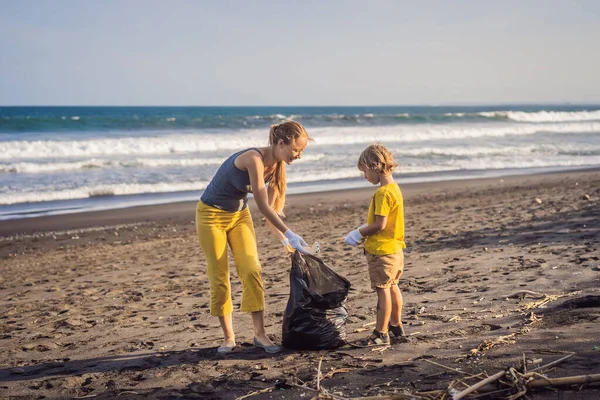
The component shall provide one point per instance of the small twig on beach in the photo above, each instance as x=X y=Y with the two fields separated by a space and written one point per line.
x=478 y=385
x=364 y=327
x=319 y=375
x=335 y=371
x=488 y=344
x=448 y=368
x=454 y=309
x=127 y=392
x=548 y=351
x=333 y=396
x=402 y=396
x=552 y=363
x=547 y=299
x=460 y=381
x=534 y=375
x=491 y=394
x=532 y=318
x=266 y=390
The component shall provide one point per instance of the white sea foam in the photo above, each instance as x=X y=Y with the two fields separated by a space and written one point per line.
x=182 y=144
x=494 y=163
x=488 y=163
x=545 y=116
x=49 y=167
x=427 y=132
x=139 y=146
x=512 y=151
x=323 y=175
x=163 y=187
x=45 y=166
x=319 y=174
x=97 y=191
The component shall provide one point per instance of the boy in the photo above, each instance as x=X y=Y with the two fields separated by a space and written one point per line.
x=384 y=242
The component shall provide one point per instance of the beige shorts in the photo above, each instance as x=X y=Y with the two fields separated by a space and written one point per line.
x=386 y=270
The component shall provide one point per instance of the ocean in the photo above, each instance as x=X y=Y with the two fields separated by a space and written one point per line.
x=56 y=160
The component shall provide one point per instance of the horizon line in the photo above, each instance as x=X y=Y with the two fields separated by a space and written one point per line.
x=566 y=103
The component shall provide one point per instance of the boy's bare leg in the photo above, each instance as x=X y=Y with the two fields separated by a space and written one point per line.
x=258 y=320
x=397 y=303
x=227 y=327
x=384 y=309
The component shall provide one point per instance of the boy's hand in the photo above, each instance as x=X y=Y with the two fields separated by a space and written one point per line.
x=353 y=238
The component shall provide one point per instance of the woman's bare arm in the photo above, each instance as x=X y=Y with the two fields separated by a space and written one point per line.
x=253 y=163
x=272 y=195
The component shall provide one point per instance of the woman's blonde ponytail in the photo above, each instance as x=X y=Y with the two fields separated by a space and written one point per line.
x=288 y=132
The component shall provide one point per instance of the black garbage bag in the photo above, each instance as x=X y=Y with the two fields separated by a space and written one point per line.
x=315 y=316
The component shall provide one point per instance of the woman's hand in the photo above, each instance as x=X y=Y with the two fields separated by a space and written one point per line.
x=286 y=244
x=295 y=241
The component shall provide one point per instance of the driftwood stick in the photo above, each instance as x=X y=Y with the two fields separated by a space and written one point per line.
x=491 y=393
x=397 y=396
x=552 y=363
x=478 y=385
x=269 y=389
x=535 y=375
x=567 y=380
x=445 y=367
x=319 y=375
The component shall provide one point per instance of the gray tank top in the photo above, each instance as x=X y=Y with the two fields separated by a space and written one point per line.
x=228 y=190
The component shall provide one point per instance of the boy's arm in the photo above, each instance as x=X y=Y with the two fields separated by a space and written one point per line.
x=357 y=235
x=377 y=226
x=382 y=209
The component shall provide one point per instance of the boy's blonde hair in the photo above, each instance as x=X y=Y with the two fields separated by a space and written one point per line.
x=377 y=158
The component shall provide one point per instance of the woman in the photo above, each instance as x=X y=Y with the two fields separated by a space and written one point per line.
x=222 y=217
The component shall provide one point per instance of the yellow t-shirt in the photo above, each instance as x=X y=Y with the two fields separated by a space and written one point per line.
x=387 y=201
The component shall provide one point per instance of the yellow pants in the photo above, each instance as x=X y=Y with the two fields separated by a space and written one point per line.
x=215 y=229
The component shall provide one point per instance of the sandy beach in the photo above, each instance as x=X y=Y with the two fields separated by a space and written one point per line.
x=499 y=273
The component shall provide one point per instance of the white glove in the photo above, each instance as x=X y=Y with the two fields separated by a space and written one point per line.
x=286 y=244
x=354 y=237
x=296 y=241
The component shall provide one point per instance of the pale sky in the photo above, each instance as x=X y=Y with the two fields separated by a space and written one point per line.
x=304 y=52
